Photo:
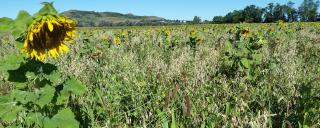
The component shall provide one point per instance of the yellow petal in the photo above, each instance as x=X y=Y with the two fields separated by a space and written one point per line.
x=55 y=22
x=54 y=53
x=42 y=56
x=65 y=48
x=31 y=36
x=50 y=26
x=34 y=54
x=69 y=34
x=25 y=44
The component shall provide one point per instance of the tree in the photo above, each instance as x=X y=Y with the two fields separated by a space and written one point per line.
x=292 y=14
x=268 y=13
x=308 y=10
x=279 y=13
x=252 y=14
x=196 y=20
x=218 y=20
x=234 y=17
x=237 y=16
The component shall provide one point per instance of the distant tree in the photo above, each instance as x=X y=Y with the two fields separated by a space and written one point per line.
x=228 y=18
x=206 y=21
x=252 y=14
x=279 y=12
x=218 y=20
x=234 y=17
x=238 y=16
x=292 y=13
x=196 y=20
x=268 y=13
x=308 y=10
x=127 y=23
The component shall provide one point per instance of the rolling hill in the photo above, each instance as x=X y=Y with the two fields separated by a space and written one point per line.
x=100 y=19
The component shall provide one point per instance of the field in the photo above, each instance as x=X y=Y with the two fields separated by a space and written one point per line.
x=227 y=75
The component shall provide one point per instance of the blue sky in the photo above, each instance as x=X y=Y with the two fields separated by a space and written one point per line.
x=170 y=9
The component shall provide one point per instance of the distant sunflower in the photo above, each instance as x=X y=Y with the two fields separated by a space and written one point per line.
x=47 y=36
x=245 y=32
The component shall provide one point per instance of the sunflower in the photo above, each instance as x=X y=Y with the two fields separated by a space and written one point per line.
x=47 y=36
x=244 y=32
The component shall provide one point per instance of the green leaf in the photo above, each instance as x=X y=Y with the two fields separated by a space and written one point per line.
x=228 y=109
x=48 y=123
x=306 y=126
x=242 y=50
x=74 y=86
x=262 y=42
x=63 y=97
x=9 y=111
x=23 y=16
x=163 y=118
x=21 y=23
x=173 y=123
x=257 y=57
x=63 y=119
x=11 y=61
x=35 y=118
x=246 y=63
x=6 y=24
x=14 y=126
x=30 y=75
x=22 y=96
x=47 y=9
x=54 y=77
x=45 y=95
x=228 y=46
x=19 y=85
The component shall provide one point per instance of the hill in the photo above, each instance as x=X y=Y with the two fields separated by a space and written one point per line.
x=100 y=19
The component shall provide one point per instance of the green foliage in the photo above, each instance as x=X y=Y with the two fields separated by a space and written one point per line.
x=5 y=24
x=308 y=10
x=18 y=26
x=242 y=55
x=194 y=39
x=103 y=19
x=273 y=12
x=196 y=20
x=47 y=9
x=63 y=119
x=173 y=120
x=36 y=88
x=38 y=92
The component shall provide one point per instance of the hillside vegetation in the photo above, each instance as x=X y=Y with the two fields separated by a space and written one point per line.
x=98 y=19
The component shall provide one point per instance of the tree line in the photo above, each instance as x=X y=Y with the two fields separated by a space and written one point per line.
x=306 y=12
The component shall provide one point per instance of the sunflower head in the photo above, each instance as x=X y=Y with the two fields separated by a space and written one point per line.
x=47 y=36
x=244 y=32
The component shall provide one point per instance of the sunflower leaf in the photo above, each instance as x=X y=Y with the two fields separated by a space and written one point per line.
x=45 y=96
x=11 y=61
x=6 y=24
x=74 y=86
x=21 y=23
x=23 y=16
x=8 y=109
x=54 y=77
x=65 y=117
x=47 y=9
x=35 y=118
